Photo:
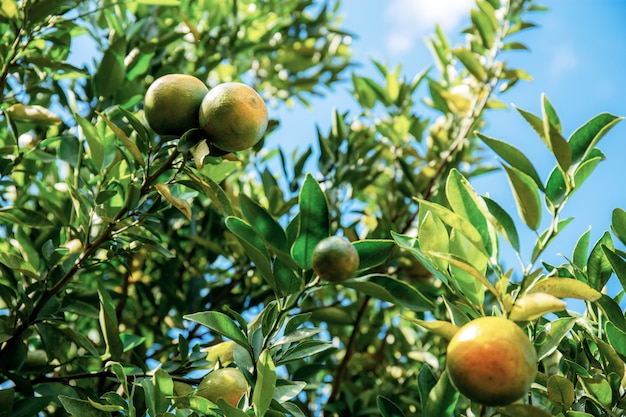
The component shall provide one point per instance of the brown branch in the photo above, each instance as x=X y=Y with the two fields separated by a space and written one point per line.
x=343 y=366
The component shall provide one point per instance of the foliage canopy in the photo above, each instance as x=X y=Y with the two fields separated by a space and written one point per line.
x=131 y=264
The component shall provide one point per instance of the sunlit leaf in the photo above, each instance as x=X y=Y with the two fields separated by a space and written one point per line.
x=314 y=221
x=254 y=246
x=566 y=288
x=556 y=331
x=221 y=324
x=265 y=384
x=81 y=408
x=373 y=252
x=513 y=156
x=471 y=62
x=442 y=398
x=32 y=113
x=464 y=200
x=386 y=288
x=598 y=266
x=561 y=390
x=181 y=204
x=534 y=305
x=483 y=23
x=438 y=327
x=95 y=142
x=589 y=134
x=599 y=389
x=526 y=195
x=503 y=223
x=264 y=224
x=457 y=222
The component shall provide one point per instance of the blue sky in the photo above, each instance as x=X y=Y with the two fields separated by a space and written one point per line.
x=577 y=58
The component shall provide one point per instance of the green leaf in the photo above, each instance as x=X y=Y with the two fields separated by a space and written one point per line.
x=265 y=384
x=31 y=406
x=612 y=362
x=457 y=222
x=287 y=282
x=164 y=388
x=263 y=223
x=483 y=23
x=442 y=398
x=386 y=288
x=553 y=131
x=138 y=127
x=587 y=166
x=433 y=237
x=581 y=250
x=314 y=221
x=526 y=195
x=95 y=142
x=598 y=389
x=536 y=123
x=503 y=222
x=221 y=324
x=556 y=188
x=618 y=264
x=471 y=62
x=588 y=135
x=111 y=71
x=426 y=381
x=24 y=217
x=618 y=224
x=287 y=390
x=598 y=266
x=471 y=271
x=412 y=245
x=129 y=145
x=373 y=252
x=388 y=408
x=109 y=325
x=556 y=331
x=81 y=408
x=561 y=390
x=616 y=338
x=522 y=410
x=254 y=247
x=18 y=264
x=512 y=156
x=159 y=2
x=466 y=202
x=303 y=350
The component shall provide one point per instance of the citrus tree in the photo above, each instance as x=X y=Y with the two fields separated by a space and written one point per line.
x=149 y=271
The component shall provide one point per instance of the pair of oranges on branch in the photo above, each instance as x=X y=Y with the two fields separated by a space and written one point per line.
x=232 y=115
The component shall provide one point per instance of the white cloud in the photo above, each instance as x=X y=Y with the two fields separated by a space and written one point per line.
x=411 y=20
x=563 y=61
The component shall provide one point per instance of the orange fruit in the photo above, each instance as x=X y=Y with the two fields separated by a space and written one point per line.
x=172 y=103
x=335 y=259
x=234 y=116
x=491 y=361
x=226 y=383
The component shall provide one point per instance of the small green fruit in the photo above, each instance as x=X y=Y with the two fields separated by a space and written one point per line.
x=335 y=259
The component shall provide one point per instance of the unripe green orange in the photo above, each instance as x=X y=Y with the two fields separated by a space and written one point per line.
x=335 y=259
x=234 y=116
x=172 y=103
x=491 y=361
x=226 y=383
